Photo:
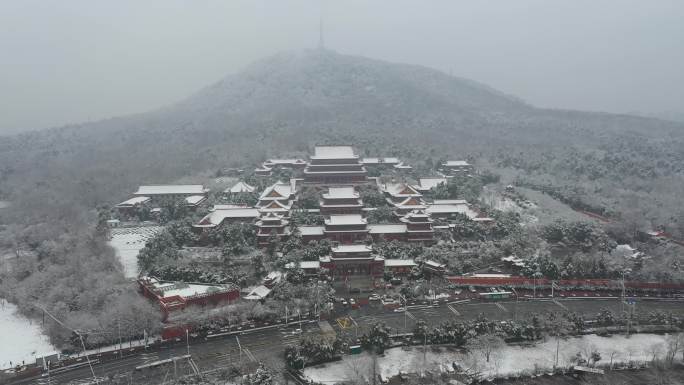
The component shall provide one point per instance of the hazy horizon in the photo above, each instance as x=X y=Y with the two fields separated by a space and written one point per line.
x=70 y=62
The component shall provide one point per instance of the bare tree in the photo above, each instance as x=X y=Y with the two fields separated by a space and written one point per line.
x=486 y=344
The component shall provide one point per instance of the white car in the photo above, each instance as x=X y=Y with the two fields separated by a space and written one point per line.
x=400 y=310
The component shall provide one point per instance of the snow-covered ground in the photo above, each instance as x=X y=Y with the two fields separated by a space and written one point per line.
x=4 y=204
x=509 y=360
x=20 y=338
x=127 y=241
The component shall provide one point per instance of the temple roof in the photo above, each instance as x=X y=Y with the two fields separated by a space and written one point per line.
x=387 y=229
x=455 y=163
x=352 y=249
x=334 y=152
x=341 y=192
x=134 y=201
x=428 y=183
x=240 y=187
x=279 y=190
x=178 y=189
x=345 y=219
x=401 y=190
x=217 y=216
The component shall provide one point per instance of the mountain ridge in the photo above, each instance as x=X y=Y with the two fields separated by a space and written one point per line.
x=287 y=102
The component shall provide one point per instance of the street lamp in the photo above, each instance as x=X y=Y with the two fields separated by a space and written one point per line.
x=187 y=340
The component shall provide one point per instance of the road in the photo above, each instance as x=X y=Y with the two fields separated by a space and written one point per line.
x=502 y=310
x=257 y=346
x=267 y=345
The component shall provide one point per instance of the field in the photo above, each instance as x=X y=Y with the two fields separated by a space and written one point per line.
x=506 y=361
x=127 y=241
x=22 y=339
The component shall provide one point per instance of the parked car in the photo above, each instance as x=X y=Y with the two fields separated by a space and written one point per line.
x=400 y=310
x=374 y=297
x=352 y=301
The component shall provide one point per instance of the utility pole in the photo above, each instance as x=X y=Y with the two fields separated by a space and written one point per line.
x=239 y=346
x=515 y=309
x=622 y=296
x=118 y=325
x=321 y=44
x=80 y=337
x=356 y=327
x=425 y=349
x=405 y=303
x=555 y=365
x=187 y=340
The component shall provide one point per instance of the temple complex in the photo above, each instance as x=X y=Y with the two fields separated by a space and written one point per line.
x=341 y=200
x=335 y=165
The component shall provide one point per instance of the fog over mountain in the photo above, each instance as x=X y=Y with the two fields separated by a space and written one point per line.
x=79 y=61
x=287 y=102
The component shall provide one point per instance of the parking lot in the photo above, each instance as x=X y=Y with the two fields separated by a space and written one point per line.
x=404 y=321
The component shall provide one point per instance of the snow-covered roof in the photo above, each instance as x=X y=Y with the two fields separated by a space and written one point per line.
x=370 y=160
x=345 y=219
x=402 y=165
x=412 y=203
x=217 y=216
x=240 y=187
x=488 y=275
x=401 y=190
x=134 y=201
x=177 y=189
x=273 y=275
x=230 y=207
x=456 y=163
x=334 y=152
x=352 y=249
x=482 y=219
x=309 y=264
x=279 y=190
x=428 y=183
x=341 y=192
x=387 y=229
x=624 y=247
x=259 y=292
x=435 y=264
x=304 y=265
x=194 y=199
x=183 y=290
x=275 y=206
x=284 y=161
x=511 y=258
x=311 y=230
x=400 y=263
x=449 y=202
x=390 y=160
x=451 y=209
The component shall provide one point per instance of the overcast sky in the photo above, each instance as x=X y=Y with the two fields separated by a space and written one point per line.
x=64 y=61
